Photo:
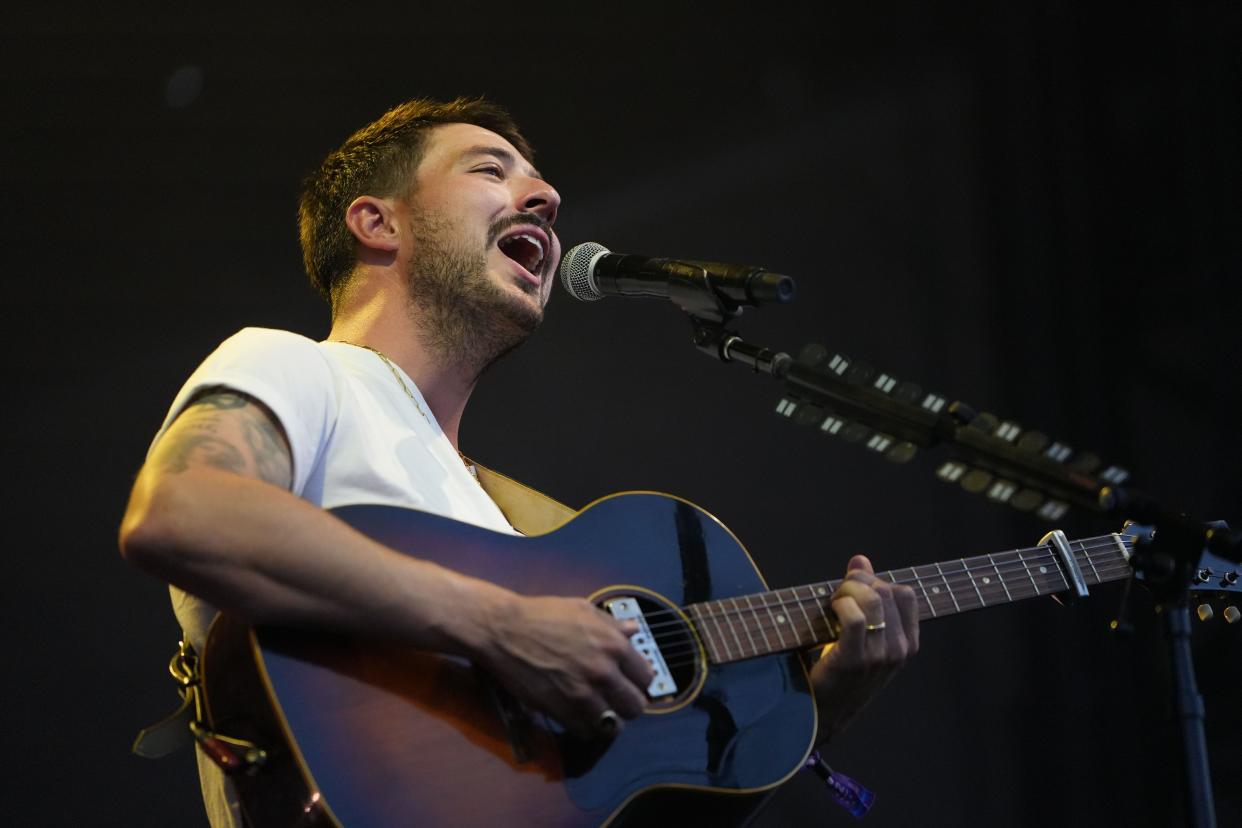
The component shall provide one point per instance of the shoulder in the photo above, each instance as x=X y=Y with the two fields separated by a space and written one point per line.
x=272 y=387
x=271 y=343
x=265 y=360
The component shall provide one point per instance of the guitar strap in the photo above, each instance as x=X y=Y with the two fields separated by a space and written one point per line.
x=528 y=511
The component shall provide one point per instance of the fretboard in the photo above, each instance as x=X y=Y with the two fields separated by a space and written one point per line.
x=796 y=617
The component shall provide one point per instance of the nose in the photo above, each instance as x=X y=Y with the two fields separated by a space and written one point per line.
x=542 y=198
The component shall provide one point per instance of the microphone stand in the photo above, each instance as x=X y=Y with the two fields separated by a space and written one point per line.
x=1026 y=470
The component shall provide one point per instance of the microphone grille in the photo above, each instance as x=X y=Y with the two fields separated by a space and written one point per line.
x=576 y=273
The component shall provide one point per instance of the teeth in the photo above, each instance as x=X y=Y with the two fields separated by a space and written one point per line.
x=538 y=246
x=532 y=240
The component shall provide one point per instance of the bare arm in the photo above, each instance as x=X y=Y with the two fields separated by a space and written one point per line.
x=211 y=513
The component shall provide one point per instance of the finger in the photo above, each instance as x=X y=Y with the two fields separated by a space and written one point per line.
x=859 y=562
x=852 y=620
x=625 y=684
x=584 y=709
x=872 y=634
x=635 y=667
x=628 y=626
x=865 y=596
x=893 y=636
x=580 y=713
x=624 y=697
x=908 y=607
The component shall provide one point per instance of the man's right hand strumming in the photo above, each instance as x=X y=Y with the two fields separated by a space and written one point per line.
x=567 y=658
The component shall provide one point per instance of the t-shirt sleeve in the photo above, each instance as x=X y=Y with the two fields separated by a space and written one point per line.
x=285 y=371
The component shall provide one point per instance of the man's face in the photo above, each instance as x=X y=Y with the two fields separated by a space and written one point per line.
x=478 y=203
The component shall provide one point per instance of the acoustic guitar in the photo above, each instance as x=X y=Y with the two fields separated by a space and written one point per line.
x=367 y=735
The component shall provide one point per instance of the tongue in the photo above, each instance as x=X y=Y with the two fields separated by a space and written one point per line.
x=521 y=251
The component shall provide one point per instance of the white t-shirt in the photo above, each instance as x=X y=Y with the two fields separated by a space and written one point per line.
x=355 y=436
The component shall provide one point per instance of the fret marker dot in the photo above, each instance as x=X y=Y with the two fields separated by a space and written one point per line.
x=986 y=579
x=1043 y=569
x=780 y=619
x=936 y=590
x=822 y=591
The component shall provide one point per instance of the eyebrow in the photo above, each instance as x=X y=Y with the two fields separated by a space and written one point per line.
x=501 y=154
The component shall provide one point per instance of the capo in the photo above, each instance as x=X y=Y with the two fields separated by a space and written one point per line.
x=1056 y=539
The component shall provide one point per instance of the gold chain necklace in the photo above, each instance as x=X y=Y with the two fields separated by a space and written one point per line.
x=397 y=376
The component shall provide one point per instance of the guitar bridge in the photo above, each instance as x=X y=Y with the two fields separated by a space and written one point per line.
x=627 y=609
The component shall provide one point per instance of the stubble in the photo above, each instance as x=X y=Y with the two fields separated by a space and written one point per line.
x=461 y=315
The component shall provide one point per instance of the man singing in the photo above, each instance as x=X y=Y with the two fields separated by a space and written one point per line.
x=431 y=235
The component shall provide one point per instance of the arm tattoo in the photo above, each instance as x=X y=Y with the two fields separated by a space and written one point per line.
x=196 y=438
x=220 y=399
x=179 y=451
x=267 y=445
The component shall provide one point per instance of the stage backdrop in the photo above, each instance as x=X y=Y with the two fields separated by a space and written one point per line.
x=1031 y=207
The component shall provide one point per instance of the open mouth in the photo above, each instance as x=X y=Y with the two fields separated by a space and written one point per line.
x=524 y=249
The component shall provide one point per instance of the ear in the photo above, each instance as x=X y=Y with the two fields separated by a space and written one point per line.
x=372 y=221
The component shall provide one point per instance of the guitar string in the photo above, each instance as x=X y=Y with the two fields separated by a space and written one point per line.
x=946 y=603
x=779 y=630
x=1020 y=567
x=797 y=630
x=933 y=590
x=675 y=654
x=752 y=616
x=768 y=634
x=779 y=634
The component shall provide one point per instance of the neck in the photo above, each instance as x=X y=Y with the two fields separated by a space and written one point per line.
x=386 y=325
x=745 y=626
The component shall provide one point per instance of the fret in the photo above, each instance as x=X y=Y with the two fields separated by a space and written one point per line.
x=729 y=619
x=919 y=580
x=1022 y=560
x=775 y=624
x=705 y=633
x=810 y=628
x=1015 y=587
x=745 y=626
x=1055 y=573
x=957 y=607
x=723 y=641
x=788 y=617
x=942 y=604
x=971 y=576
x=817 y=593
x=1049 y=571
x=782 y=615
x=984 y=584
x=1121 y=547
x=767 y=645
x=1082 y=547
x=1000 y=578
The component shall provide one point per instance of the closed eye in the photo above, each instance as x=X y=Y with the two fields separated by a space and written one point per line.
x=492 y=169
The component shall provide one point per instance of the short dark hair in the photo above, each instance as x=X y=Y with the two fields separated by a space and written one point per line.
x=380 y=159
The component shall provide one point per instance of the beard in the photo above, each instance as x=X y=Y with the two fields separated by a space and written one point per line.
x=463 y=316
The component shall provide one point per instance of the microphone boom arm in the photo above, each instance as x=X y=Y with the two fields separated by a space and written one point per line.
x=841 y=396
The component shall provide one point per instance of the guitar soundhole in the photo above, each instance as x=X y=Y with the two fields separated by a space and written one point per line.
x=665 y=640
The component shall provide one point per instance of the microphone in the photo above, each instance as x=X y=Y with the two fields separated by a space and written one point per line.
x=591 y=271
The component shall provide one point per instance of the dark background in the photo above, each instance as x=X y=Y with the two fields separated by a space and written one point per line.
x=1032 y=206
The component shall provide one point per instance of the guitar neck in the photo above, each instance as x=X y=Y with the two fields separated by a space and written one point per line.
x=794 y=618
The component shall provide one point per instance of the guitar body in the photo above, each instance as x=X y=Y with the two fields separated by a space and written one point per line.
x=363 y=735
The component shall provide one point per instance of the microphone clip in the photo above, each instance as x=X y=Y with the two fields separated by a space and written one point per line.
x=690 y=288
x=716 y=340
